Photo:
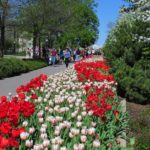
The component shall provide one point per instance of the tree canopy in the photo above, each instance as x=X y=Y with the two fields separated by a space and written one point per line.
x=68 y=22
x=63 y=23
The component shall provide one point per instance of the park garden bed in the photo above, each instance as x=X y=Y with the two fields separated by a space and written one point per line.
x=78 y=109
x=13 y=66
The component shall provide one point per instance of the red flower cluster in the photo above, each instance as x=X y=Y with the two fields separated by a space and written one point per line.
x=92 y=71
x=99 y=99
x=33 y=84
x=10 y=113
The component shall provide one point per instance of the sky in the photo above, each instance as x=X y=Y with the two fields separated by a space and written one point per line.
x=107 y=11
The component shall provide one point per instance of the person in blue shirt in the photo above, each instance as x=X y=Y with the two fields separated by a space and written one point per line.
x=67 y=57
x=61 y=55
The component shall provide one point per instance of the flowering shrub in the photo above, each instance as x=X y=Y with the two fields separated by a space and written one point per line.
x=71 y=112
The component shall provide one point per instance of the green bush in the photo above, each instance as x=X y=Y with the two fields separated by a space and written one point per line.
x=133 y=82
x=12 y=66
x=129 y=59
x=35 y=64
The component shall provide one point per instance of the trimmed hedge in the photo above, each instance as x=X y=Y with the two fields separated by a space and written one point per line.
x=12 y=66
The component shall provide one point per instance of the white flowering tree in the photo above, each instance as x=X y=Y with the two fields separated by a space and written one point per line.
x=128 y=48
x=139 y=12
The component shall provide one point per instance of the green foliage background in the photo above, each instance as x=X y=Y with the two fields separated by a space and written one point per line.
x=128 y=50
x=63 y=23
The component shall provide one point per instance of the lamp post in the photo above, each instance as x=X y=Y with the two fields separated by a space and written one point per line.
x=46 y=41
x=14 y=51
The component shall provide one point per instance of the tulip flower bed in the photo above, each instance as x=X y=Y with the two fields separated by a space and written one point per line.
x=74 y=110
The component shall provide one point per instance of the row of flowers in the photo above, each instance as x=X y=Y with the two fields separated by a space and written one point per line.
x=77 y=110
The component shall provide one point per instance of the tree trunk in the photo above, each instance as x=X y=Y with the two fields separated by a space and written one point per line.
x=14 y=50
x=39 y=46
x=2 y=43
x=34 y=43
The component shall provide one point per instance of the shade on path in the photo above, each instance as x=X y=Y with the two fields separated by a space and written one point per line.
x=10 y=84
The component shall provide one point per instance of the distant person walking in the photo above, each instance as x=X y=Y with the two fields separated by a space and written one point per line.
x=54 y=53
x=61 y=55
x=77 y=55
x=67 y=57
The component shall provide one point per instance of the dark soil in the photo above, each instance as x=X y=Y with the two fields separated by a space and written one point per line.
x=134 y=110
x=139 y=124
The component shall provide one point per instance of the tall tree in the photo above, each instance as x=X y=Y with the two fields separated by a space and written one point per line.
x=60 y=19
x=3 y=14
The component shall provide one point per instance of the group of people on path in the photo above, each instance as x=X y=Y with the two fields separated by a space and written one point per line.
x=67 y=55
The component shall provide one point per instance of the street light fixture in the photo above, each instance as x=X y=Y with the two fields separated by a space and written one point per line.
x=14 y=47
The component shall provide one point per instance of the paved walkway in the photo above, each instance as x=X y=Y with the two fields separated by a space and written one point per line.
x=10 y=84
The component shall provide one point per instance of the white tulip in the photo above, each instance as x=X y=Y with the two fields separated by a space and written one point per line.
x=93 y=124
x=96 y=143
x=44 y=125
x=84 y=113
x=51 y=103
x=91 y=131
x=38 y=147
x=81 y=146
x=46 y=108
x=75 y=147
x=84 y=131
x=25 y=124
x=71 y=135
x=63 y=148
x=90 y=113
x=24 y=135
x=40 y=114
x=83 y=138
x=31 y=130
x=41 y=120
x=45 y=99
x=46 y=143
x=79 y=124
x=50 y=110
x=79 y=118
x=43 y=130
x=29 y=143
x=43 y=136
x=55 y=147
x=39 y=99
x=57 y=132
